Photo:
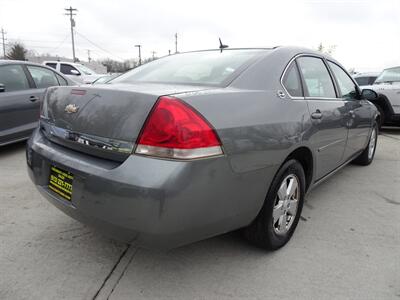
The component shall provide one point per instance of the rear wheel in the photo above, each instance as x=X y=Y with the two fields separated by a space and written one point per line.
x=366 y=157
x=281 y=211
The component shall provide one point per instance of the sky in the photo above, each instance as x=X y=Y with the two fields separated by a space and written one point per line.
x=365 y=33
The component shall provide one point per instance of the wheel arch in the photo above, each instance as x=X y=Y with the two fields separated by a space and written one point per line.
x=383 y=102
x=305 y=157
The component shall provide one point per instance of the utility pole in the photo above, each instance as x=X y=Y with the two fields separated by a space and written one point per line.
x=4 y=42
x=140 y=54
x=88 y=55
x=71 y=13
x=176 y=42
x=153 y=52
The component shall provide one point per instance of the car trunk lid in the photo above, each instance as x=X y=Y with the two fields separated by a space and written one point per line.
x=105 y=120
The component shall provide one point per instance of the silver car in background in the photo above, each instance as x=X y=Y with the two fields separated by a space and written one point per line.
x=201 y=143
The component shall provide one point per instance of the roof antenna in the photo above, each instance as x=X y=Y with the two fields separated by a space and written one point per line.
x=222 y=46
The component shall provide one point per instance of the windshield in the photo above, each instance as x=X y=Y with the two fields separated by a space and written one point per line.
x=84 y=69
x=389 y=75
x=204 y=67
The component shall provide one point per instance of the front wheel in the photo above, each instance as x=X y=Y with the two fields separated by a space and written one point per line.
x=281 y=211
x=367 y=156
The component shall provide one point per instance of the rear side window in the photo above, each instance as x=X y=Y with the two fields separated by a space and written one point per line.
x=291 y=81
x=66 y=69
x=346 y=85
x=13 y=78
x=52 y=65
x=43 y=77
x=318 y=82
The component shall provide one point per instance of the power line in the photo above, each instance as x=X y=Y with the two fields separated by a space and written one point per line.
x=36 y=41
x=59 y=45
x=97 y=46
x=70 y=13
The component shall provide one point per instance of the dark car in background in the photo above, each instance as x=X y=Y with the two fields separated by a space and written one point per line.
x=198 y=144
x=22 y=85
x=366 y=78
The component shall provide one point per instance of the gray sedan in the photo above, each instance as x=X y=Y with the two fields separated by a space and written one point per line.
x=201 y=143
x=22 y=86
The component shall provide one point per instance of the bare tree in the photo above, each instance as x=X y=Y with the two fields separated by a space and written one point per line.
x=326 y=49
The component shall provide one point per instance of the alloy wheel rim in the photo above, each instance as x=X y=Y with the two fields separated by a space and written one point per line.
x=371 y=145
x=286 y=204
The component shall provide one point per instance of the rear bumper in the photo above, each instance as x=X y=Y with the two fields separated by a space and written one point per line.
x=150 y=202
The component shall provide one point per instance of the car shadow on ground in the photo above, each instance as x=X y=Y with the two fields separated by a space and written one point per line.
x=12 y=148
x=390 y=130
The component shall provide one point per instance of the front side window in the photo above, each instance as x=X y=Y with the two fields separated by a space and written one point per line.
x=52 y=65
x=346 y=85
x=13 y=78
x=68 y=70
x=291 y=81
x=42 y=77
x=318 y=82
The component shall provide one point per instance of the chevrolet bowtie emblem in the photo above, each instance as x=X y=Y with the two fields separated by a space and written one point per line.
x=71 y=108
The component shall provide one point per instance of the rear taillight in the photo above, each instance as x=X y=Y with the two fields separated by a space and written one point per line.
x=175 y=130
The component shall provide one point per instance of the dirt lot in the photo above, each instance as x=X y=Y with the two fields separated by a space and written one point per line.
x=347 y=246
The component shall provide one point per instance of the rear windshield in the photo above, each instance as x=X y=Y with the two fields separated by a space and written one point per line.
x=205 y=67
x=389 y=75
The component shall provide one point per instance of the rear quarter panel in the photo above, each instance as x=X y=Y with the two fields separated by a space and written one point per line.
x=258 y=131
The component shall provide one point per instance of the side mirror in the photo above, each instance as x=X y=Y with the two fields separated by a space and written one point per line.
x=2 y=88
x=75 y=72
x=369 y=94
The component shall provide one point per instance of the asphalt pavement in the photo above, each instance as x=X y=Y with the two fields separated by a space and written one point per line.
x=347 y=246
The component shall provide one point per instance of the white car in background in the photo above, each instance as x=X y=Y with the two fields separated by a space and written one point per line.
x=75 y=71
x=387 y=85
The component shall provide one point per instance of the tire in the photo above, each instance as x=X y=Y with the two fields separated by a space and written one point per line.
x=381 y=120
x=272 y=233
x=367 y=156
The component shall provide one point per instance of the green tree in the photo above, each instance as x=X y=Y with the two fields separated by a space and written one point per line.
x=17 y=52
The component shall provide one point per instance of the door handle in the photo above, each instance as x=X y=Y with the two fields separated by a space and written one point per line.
x=316 y=115
x=33 y=98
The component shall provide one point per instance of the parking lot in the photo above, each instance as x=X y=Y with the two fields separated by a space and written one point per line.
x=347 y=246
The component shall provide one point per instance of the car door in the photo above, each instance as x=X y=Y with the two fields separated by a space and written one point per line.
x=43 y=78
x=19 y=105
x=71 y=72
x=358 y=118
x=327 y=113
